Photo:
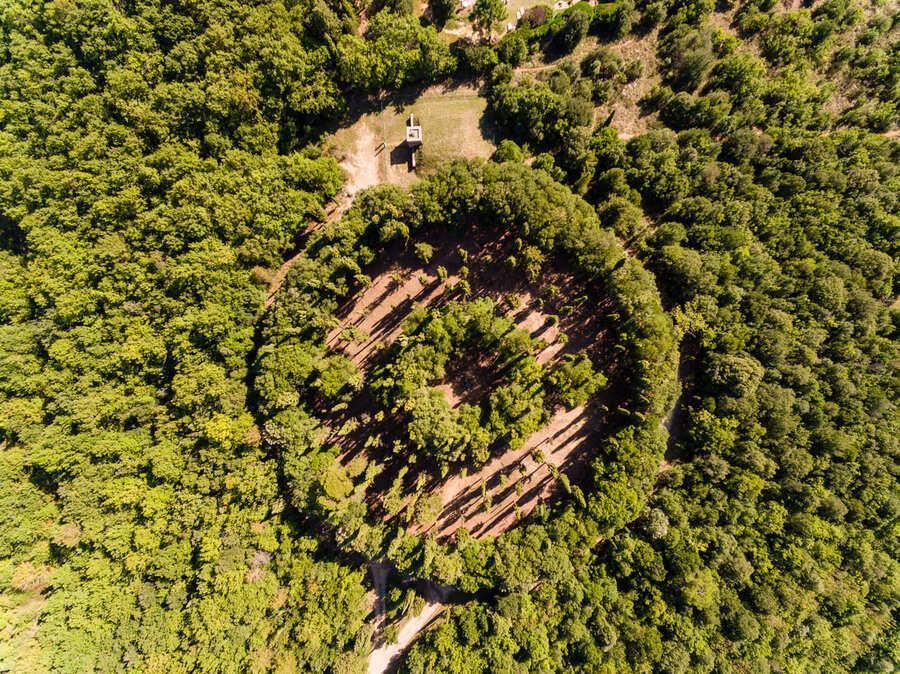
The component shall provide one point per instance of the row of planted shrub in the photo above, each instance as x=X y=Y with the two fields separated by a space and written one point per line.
x=546 y=215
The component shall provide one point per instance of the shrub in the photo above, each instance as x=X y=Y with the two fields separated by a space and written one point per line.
x=513 y=49
x=477 y=59
x=536 y=16
x=614 y=19
x=573 y=31
x=508 y=150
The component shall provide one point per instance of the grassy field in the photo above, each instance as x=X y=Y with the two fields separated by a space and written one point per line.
x=372 y=150
x=513 y=7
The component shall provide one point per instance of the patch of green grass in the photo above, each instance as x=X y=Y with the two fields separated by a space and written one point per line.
x=514 y=5
x=451 y=127
x=451 y=121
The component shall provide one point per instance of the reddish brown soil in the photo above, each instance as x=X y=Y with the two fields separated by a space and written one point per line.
x=515 y=482
x=378 y=310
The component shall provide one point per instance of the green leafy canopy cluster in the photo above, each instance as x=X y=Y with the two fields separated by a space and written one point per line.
x=759 y=188
x=165 y=482
x=515 y=407
x=154 y=163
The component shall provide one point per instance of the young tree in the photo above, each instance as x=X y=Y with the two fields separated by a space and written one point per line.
x=513 y=49
x=573 y=31
x=442 y=11
x=424 y=251
x=486 y=14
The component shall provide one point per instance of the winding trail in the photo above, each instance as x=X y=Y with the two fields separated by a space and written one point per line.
x=361 y=173
x=384 y=657
x=342 y=201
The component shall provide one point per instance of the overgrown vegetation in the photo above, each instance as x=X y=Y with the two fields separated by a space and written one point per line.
x=769 y=541
x=552 y=222
x=166 y=484
x=151 y=156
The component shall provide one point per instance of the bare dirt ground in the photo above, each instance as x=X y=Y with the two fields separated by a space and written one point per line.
x=384 y=657
x=377 y=311
x=360 y=174
x=459 y=28
x=372 y=148
x=724 y=21
x=541 y=60
x=510 y=485
x=514 y=482
x=358 y=166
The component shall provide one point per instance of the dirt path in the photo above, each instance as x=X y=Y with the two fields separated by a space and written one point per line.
x=674 y=421
x=384 y=658
x=672 y=418
x=343 y=202
x=362 y=172
x=362 y=162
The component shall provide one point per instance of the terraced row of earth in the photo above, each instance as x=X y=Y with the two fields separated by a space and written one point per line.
x=558 y=277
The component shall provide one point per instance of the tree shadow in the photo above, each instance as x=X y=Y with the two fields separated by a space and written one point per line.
x=585 y=316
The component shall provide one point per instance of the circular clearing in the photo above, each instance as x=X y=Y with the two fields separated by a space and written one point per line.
x=444 y=363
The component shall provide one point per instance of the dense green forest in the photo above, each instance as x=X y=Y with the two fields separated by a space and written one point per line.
x=169 y=500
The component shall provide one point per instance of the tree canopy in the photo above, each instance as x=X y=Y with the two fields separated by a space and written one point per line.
x=717 y=182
